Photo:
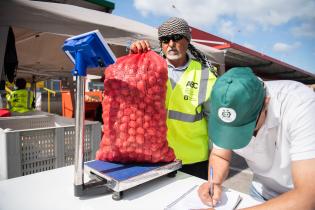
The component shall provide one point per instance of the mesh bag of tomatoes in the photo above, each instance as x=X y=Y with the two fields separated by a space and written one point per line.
x=134 y=113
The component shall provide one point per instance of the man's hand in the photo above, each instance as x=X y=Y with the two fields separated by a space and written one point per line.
x=219 y=160
x=204 y=194
x=139 y=47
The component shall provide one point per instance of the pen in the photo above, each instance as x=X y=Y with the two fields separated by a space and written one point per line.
x=211 y=182
x=239 y=199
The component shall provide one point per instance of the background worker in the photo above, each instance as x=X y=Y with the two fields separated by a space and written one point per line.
x=21 y=99
x=273 y=128
x=191 y=78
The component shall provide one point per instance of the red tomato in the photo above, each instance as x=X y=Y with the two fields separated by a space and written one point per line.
x=140 y=139
x=146 y=125
x=127 y=111
x=152 y=80
x=150 y=91
x=147 y=100
x=125 y=119
x=132 y=124
x=130 y=149
x=151 y=131
x=120 y=114
x=147 y=117
x=139 y=122
x=140 y=85
x=123 y=135
x=125 y=144
x=131 y=131
x=133 y=116
x=142 y=105
x=123 y=127
x=118 y=142
x=140 y=130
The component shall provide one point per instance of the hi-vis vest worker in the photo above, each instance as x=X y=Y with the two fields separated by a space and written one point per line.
x=187 y=127
x=20 y=100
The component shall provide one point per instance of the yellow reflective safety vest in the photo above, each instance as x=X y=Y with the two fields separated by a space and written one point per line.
x=187 y=126
x=20 y=101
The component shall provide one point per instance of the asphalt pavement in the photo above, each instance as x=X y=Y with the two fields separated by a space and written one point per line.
x=240 y=175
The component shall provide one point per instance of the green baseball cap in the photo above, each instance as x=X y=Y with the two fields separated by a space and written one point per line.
x=236 y=100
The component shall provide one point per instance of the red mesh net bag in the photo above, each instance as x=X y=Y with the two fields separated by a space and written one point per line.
x=134 y=113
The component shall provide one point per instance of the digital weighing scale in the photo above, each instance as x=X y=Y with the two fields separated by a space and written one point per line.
x=90 y=50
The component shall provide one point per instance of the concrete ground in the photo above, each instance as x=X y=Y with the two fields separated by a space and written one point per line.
x=240 y=175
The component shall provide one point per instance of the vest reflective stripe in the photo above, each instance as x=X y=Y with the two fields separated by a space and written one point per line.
x=28 y=99
x=203 y=85
x=187 y=127
x=184 y=117
x=201 y=98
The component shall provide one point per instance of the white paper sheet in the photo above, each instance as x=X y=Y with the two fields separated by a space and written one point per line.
x=190 y=200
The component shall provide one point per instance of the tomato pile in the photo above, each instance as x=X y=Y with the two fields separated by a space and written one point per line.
x=134 y=113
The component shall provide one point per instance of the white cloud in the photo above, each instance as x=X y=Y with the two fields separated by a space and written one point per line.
x=200 y=13
x=248 y=45
x=304 y=30
x=147 y=7
x=285 y=48
x=197 y=12
x=227 y=29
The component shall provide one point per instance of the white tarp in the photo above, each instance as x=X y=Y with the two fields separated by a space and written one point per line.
x=41 y=27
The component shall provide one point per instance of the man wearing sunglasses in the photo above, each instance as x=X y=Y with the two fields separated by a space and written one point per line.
x=273 y=128
x=191 y=77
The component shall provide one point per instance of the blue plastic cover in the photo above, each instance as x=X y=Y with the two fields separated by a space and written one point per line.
x=88 y=50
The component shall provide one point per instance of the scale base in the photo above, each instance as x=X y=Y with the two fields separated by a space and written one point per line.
x=117 y=177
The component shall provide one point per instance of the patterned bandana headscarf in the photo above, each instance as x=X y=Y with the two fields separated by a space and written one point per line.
x=175 y=25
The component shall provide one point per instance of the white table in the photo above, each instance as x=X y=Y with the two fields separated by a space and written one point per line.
x=54 y=190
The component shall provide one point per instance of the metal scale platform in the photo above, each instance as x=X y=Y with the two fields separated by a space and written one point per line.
x=119 y=177
x=90 y=50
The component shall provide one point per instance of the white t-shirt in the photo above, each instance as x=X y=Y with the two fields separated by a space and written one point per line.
x=287 y=135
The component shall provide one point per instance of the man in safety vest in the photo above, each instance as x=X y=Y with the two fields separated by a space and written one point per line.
x=191 y=77
x=20 y=100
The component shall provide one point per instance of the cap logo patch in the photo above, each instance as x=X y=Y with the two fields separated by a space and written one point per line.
x=227 y=115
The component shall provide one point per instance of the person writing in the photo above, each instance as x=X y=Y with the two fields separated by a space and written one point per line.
x=21 y=99
x=191 y=77
x=272 y=125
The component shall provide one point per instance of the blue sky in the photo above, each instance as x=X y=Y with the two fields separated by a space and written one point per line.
x=283 y=29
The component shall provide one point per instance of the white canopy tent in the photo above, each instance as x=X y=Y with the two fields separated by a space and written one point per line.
x=40 y=29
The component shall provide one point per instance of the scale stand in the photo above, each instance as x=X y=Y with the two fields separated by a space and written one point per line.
x=90 y=50
x=87 y=50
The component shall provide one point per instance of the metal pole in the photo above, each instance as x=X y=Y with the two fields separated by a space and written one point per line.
x=79 y=133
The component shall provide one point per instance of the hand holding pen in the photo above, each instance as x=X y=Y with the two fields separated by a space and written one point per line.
x=211 y=188
x=211 y=182
x=210 y=192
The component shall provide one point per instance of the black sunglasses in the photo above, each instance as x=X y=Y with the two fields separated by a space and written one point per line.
x=174 y=38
